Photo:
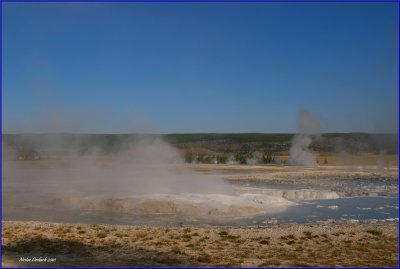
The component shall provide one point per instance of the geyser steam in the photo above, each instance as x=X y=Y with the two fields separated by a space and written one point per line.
x=147 y=165
x=145 y=178
x=300 y=152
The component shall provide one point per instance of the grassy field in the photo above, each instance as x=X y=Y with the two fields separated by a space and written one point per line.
x=339 y=245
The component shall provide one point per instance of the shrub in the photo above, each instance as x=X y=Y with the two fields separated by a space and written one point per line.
x=101 y=235
x=374 y=232
x=223 y=233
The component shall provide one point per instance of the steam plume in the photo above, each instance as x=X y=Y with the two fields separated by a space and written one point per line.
x=300 y=152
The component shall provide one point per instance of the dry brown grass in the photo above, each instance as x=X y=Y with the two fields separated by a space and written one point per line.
x=343 y=245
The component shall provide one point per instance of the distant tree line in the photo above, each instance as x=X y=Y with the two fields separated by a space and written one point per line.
x=241 y=157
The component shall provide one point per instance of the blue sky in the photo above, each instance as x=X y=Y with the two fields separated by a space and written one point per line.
x=199 y=67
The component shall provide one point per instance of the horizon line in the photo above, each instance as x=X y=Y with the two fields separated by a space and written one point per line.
x=189 y=133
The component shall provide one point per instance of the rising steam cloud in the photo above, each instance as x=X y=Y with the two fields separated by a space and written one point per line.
x=147 y=165
x=300 y=152
x=146 y=178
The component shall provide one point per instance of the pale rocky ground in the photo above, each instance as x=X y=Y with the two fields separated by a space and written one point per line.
x=283 y=245
x=344 y=180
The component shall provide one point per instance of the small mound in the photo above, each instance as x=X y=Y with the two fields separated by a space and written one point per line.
x=185 y=205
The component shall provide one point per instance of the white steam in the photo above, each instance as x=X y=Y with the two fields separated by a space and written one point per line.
x=231 y=160
x=255 y=159
x=146 y=178
x=148 y=165
x=300 y=152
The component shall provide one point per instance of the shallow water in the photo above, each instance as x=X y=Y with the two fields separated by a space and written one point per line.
x=361 y=199
x=344 y=209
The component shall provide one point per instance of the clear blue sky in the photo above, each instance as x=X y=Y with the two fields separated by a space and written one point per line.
x=199 y=67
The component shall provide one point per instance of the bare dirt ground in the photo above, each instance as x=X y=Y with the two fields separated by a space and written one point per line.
x=294 y=245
